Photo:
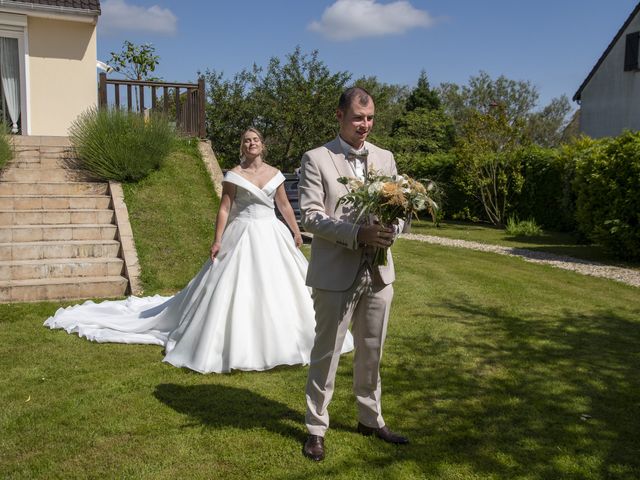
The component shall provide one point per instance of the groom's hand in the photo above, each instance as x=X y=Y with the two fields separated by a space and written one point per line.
x=376 y=235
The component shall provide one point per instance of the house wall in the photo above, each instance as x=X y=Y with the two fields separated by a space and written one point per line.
x=610 y=102
x=62 y=73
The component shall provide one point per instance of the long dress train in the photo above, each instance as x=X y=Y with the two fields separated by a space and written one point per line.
x=249 y=309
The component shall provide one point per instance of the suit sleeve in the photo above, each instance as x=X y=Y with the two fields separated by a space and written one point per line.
x=314 y=211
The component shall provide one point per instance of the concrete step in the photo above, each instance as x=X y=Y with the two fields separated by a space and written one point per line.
x=33 y=162
x=47 y=202
x=53 y=188
x=20 y=150
x=40 y=141
x=59 y=249
x=60 y=268
x=56 y=216
x=38 y=233
x=62 y=289
x=14 y=174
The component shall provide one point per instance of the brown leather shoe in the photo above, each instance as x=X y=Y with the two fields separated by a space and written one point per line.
x=314 y=448
x=383 y=433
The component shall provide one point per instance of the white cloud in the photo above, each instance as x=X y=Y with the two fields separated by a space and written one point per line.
x=350 y=19
x=118 y=15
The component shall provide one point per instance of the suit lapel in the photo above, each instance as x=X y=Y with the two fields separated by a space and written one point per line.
x=339 y=160
x=372 y=163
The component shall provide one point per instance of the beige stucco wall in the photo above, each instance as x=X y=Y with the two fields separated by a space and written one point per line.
x=62 y=73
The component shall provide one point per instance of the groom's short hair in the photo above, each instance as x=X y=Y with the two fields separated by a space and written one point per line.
x=353 y=94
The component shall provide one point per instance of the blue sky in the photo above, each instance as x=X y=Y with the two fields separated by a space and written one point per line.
x=552 y=43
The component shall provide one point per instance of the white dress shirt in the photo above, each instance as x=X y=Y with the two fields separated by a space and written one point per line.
x=358 y=165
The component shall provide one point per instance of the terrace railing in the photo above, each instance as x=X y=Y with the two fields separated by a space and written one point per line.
x=183 y=103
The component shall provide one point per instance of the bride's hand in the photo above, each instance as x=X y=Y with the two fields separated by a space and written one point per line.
x=297 y=238
x=215 y=248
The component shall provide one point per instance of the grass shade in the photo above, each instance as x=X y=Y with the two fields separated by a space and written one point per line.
x=114 y=144
x=493 y=367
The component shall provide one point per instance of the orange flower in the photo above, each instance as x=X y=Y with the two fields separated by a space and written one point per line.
x=392 y=192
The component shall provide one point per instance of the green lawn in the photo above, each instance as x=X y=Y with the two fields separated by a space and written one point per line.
x=494 y=367
x=172 y=214
x=551 y=242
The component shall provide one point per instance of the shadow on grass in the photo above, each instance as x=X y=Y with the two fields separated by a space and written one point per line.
x=531 y=395
x=219 y=406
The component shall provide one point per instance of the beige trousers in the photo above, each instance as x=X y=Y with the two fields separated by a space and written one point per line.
x=366 y=306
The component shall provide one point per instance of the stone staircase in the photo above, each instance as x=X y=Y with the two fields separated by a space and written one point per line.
x=58 y=234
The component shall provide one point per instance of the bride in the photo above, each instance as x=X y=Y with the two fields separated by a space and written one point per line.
x=248 y=308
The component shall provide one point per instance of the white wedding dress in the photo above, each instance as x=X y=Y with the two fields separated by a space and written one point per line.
x=249 y=309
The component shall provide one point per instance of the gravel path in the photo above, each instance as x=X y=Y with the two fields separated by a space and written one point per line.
x=585 y=267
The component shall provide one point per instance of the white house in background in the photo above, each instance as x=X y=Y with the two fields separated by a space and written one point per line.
x=47 y=63
x=609 y=97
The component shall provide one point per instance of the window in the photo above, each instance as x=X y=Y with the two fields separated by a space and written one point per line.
x=631 y=52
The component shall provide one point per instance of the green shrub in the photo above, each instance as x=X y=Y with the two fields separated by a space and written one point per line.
x=6 y=152
x=547 y=193
x=522 y=228
x=114 y=144
x=607 y=186
x=441 y=167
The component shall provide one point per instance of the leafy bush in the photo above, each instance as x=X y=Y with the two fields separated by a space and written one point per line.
x=6 y=152
x=607 y=186
x=488 y=165
x=522 y=228
x=440 y=168
x=114 y=144
x=547 y=193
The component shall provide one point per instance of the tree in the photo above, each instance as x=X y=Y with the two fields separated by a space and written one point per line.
x=423 y=96
x=390 y=101
x=423 y=127
x=423 y=131
x=547 y=126
x=229 y=111
x=518 y=99
x=488 y=165
x=293 y=103
x=297 y=102
x=135 y=62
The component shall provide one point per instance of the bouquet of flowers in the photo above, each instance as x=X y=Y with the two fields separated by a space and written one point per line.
x=385 y=199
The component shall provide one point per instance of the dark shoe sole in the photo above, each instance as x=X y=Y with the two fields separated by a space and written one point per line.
x=315 y=458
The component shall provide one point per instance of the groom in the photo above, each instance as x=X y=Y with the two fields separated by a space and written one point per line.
x=347 y=288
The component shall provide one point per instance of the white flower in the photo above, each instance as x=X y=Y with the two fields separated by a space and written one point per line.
x=375 y=187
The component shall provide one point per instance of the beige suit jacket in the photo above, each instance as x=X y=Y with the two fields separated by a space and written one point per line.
x=335 y=254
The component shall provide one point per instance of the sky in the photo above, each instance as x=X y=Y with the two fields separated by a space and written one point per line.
x=551 y=43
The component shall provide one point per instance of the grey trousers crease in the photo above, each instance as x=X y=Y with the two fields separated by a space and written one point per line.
x=366 y=306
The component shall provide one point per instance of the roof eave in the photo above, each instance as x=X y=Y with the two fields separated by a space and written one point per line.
x=629 y=19
x=47 y=9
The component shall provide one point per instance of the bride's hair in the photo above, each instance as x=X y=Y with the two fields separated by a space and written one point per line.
x=259 y=134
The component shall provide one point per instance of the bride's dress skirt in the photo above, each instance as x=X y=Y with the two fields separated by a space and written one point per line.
x=249 y=309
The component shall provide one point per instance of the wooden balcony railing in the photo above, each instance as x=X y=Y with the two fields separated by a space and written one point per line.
x=182 y=102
